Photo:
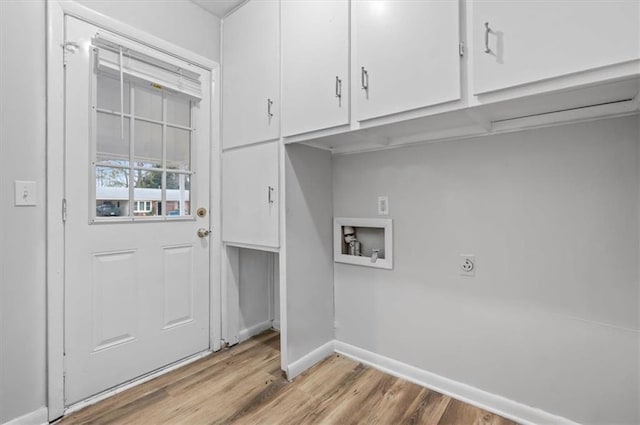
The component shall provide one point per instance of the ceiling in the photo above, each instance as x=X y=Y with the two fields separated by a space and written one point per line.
x=218 y=7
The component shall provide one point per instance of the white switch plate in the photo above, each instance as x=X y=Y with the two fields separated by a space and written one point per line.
x=383 y=205
x=25 y=193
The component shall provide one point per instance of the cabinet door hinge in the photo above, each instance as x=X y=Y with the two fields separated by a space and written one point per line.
x=64 y=210
x=461 y=49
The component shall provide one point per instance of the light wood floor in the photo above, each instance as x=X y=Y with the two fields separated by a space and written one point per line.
x=244 y=385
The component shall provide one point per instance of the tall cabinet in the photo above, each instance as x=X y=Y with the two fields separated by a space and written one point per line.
x=251 y=124
x=251 y=74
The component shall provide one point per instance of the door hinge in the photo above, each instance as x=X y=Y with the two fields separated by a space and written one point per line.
x=64 y=210
x=68 y=47
x=461 y=49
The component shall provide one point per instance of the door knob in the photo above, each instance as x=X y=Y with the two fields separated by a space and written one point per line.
x=203 y=233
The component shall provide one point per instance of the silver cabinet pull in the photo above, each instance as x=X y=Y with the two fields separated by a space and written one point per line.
x=364 y=79
x=487 y=30
x=269 y=103
x=269 y=192
x=338 y=87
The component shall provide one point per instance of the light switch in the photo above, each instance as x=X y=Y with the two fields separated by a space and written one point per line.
x=383 y=205
x=25 y=193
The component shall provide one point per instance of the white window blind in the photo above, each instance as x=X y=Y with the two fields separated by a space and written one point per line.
x=160 y=72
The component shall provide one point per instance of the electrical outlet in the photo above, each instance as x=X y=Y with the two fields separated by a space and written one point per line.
x=467 y=265
x=383 y=205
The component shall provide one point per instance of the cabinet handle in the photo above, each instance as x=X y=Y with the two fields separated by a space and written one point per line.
x=269 y=192
x=487 y=30
x=364 y=79
x=269 y=103
x=338 y=88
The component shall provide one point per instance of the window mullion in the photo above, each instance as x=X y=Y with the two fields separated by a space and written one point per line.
x=131 y=148
x=164 y=154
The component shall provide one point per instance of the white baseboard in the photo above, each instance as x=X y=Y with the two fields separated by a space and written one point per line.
x=502 y=406
x=304 y=363
x=37 y=417
x=254 y=330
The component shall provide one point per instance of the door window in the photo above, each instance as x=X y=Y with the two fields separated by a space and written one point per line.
x=142 y=149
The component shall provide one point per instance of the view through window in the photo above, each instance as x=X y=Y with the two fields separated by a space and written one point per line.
x=142 y=136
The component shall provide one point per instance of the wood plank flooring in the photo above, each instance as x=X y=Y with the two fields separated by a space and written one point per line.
x=244 y=385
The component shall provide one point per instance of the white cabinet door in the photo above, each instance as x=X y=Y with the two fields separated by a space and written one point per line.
x=406 y=55
x=250 y=195
x=251 y=74
x=315 y=65
x=528 y=41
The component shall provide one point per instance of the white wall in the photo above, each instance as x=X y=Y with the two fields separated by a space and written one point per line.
x=256 y=271
x=309 y=250
x=22 y=157
x=551 y=318
x=22 y=251
x=179 y=21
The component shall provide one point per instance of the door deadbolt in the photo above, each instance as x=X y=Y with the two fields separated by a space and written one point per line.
x=203 y=233
x=201 y=212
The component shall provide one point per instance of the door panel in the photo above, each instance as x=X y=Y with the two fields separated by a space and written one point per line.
x=535 y=40
x=409 y=50
x=136 y=273
x=249 y=207
x=315 y=52
x=179 y=282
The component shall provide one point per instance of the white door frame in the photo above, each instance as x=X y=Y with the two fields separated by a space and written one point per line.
x=56 y=11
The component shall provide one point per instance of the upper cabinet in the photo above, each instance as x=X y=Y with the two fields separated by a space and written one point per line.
x=406 y=55
x=523 y=41
x=315 y=65
x=251 y=74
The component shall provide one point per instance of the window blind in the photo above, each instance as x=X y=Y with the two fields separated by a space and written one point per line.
x=159 y=72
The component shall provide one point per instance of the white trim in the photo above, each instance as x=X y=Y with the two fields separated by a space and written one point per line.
x=86 y=14
x=252 y=246
x=55 y=13
x=37 y=417
x=310 y=359
x=499 y=405
x=130 y=384
x=215 y=217
x=55 y=194
x=230 y=293
x=282 y=257
x=254 y=330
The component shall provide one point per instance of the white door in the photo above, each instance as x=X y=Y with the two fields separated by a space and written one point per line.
x=251 y=74
x=315 y=65
x=405 y=55
x=523 y=41
x=250 y=195
x=137 y=163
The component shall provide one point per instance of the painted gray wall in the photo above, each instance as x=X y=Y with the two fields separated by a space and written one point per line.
x=309 y=263
x=551 y=318
x=22 y=157
x=22 y=230
x=255 y=268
